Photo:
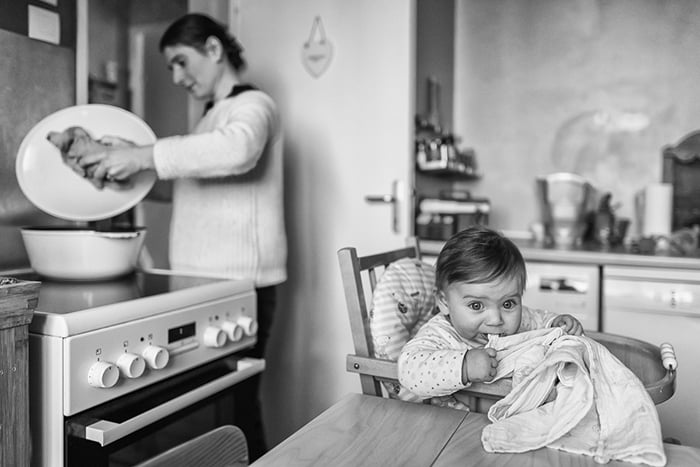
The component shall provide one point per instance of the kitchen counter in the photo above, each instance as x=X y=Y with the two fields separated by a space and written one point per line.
x=587 y=254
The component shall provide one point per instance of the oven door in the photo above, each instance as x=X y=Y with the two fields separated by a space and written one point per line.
x=140 y=425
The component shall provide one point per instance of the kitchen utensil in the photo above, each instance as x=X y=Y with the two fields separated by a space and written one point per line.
x=82 y=254
x=56 y=189
x=563 y=199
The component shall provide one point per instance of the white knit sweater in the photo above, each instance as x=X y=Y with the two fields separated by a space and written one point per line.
x=227 y=201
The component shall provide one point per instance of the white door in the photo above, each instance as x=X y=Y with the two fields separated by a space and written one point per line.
x=348 y=134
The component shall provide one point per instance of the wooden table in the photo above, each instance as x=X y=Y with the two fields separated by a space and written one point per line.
x=371 y=431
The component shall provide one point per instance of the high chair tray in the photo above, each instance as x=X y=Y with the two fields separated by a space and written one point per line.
x=642 y=358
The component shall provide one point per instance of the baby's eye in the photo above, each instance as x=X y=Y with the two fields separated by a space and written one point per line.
x=475 y=306
x=509 y=304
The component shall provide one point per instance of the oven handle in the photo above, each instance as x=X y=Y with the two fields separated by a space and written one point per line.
x=105 y=432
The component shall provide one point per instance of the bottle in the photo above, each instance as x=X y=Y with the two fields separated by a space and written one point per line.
x=434 y=104
x=604 y=221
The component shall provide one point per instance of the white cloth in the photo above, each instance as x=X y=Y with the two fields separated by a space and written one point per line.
x=227 y=214
x=601 y=408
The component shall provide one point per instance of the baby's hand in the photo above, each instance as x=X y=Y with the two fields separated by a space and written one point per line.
x=569 y=324
x=480 y=365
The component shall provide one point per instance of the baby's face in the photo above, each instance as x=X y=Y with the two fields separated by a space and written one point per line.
x=477 y=310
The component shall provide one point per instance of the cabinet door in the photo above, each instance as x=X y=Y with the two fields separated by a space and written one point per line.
x=656 y=306
x=565 y=289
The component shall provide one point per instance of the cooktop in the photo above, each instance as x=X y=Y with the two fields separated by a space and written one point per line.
x=66 y=308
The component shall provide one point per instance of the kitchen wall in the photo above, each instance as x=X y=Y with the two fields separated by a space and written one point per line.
x=36 y=79
x=594 y=87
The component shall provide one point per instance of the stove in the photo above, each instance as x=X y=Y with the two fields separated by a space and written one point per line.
x=96 y=347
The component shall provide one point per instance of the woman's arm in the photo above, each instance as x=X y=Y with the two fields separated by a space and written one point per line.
x=230 y=140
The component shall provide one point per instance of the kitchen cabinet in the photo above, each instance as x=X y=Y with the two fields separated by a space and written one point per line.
x=565 y=288
x=17 y=302
x=661 y=305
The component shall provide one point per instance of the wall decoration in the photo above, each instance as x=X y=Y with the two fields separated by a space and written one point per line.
x=317 y=52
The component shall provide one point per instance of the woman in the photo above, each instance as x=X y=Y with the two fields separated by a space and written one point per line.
x=227 y=180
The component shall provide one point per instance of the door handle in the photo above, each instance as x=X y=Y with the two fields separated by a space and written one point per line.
x=105 y=432
x=394 y=199
x=380 y=198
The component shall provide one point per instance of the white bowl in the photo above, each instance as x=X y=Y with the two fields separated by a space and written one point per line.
x=82 y=254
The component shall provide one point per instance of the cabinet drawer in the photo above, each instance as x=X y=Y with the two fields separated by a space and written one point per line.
x=653 y=296
x=565 y=288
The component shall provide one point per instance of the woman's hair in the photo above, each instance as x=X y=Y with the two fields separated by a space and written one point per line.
x=477 y=255
x=194 y=29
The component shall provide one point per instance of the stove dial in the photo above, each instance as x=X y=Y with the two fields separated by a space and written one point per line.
x=249 y=325
x=132 y=365
x=214 y=337
x=103 y=375
x=156 y=357
x=233 y=331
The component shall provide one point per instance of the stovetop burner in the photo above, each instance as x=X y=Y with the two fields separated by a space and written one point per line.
x=67 y=308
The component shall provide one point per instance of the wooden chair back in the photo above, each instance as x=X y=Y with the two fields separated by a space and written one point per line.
x=225 y=446
x=356 y=273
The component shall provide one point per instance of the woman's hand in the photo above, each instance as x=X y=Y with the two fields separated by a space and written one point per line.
x=116 y=163
x=569 y=324
x=479 y=365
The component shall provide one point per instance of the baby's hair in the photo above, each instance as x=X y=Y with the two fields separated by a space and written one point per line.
x=194 y=29
x=477 y=255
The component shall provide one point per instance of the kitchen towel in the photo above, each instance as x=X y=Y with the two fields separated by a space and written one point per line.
x=596 y=398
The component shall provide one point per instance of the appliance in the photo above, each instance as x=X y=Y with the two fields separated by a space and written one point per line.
x=440 y=218
x=565 y=288
x=661 y=305
x=564 y=199
x=121 y=370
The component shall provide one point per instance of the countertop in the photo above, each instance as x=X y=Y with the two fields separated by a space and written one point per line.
x=588 y=254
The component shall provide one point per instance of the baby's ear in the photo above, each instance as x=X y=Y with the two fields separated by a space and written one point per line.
x=441 y=302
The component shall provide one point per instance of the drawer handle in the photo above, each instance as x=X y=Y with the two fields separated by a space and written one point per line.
x=668 y=356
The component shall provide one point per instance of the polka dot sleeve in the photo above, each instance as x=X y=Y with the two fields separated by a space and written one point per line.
x=430 y=364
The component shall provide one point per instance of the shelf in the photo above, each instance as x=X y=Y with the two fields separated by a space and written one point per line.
x=447 y=172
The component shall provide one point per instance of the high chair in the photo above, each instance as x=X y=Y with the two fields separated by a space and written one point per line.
x=378 y=369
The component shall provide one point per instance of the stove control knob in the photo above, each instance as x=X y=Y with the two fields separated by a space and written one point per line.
x=132 y=365
x=103 y=375
x=214 y=337
x=249 y=325
x=156 y=357
x=233 y=331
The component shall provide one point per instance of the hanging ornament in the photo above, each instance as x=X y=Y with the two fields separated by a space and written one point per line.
x=317 y=51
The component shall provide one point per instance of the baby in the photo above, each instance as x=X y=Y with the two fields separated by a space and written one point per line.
x=480 y=278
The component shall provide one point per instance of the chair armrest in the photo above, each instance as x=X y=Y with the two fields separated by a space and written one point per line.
x=385 y=369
